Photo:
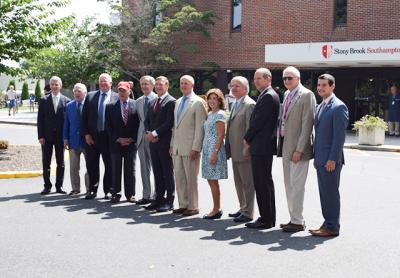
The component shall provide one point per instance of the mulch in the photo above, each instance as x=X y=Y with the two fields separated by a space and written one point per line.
x=21 y=158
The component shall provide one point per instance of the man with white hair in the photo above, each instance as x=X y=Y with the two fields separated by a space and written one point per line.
x=144 y=103
x=238 y=123
x=261 y=138
x=50 y=122
x=73 y=141
x=186 y=143
x=96 y=136
x=295 y=144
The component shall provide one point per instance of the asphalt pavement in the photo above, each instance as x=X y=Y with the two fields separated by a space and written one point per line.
x=63 y=236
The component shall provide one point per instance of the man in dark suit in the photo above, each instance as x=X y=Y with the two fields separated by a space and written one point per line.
x=96 y=137
x=261 y=137
x=122 y=123
x=50 y=122
x=160 y=121
x=331 y=121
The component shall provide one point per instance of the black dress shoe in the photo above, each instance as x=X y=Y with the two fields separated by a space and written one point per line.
x=90 y=196
x=218 y=215
x=234 y=215
x=60 y=191
x=258 y=224
x=131 y=199
x=45 y=191
x=242 y=218
x=107 y=196
x=143 y=202
x=164 y=208
x=115 y=198
x=152 y=206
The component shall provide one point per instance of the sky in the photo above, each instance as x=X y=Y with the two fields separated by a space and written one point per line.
x=85 y=8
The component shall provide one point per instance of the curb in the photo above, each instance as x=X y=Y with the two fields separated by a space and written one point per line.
x=382 y=148
x=20 y=174
x=17 y=123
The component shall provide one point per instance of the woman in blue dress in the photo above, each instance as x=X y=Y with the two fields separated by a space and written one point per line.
x=214 y=164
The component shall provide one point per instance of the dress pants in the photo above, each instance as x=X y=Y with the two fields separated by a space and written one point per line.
x=186 y=173
x=264 y=186
x=129 y=158
x=47 y=153
x=163 y=174
x=394 y=128
x=101 y=147
x=145 y=168
x=75 y=163
x=328 y=184
x=295 y=176
x=244 y=183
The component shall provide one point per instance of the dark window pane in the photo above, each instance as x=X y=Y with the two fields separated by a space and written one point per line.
x=236 y=15
x=340 y=12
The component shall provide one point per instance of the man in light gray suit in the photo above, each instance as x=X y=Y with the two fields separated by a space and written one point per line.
x=295 y=144
x=143 y=103
x=331 y=121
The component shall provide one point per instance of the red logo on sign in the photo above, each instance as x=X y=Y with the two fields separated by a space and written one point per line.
x=327 y=51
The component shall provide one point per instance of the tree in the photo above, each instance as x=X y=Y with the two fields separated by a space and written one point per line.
x=25 y=27
x=38 y=91
x=25 y=91
x=151 y=35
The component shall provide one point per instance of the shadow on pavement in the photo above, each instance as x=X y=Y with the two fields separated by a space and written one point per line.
x=221 y=230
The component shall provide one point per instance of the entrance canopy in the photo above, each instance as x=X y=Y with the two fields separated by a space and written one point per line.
x=376 y=53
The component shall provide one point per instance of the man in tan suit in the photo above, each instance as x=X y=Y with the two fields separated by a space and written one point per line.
x=295 y=144
x=187 y=140
x=238 y=124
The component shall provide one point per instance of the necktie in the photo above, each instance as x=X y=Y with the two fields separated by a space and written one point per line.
x=78 y=110
x=55 y=103
x=125 y=116
x=157 y=106
x=146 y=105
x=235 y=108
x=100 y=119
x=181 y=107
x=321 y=109
x=285 y=111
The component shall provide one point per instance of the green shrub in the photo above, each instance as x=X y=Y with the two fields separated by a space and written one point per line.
x=370 y=122
x=25 y=91
x=38 y=92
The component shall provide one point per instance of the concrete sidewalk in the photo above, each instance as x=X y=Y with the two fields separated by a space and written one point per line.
x=23 y=117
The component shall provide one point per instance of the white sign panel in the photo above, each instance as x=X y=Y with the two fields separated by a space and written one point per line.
x=330 y=53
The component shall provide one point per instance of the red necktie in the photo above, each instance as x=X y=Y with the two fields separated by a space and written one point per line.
x=157 y=106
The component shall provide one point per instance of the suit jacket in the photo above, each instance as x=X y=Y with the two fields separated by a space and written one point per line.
x=142 y=117
x=188 y=131
x=299 y=125
x=72 y=126
x=116 y=127
x=330 y=132
x=49 y=123
x=238 y=124
x=162 y=121
x=261 y=134
x=90 y=112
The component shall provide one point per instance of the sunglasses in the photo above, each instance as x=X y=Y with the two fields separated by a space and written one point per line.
x=287 y=78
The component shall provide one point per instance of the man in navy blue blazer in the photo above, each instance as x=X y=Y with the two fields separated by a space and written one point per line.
x=331 y=121
x=73 y=140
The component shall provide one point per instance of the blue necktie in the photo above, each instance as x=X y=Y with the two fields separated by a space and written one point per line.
x=146 y=105
x=100 y=119
x=181 y=106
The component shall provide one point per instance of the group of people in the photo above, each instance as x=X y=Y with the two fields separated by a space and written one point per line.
x=173 y=138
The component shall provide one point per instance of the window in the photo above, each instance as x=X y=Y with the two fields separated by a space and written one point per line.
x=340 y=11
x=236 y=15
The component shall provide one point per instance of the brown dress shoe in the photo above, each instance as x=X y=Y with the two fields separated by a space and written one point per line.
x=293 y=228
x=190 y=212
x=323 y=232
x=283 y=225
x=179 y=210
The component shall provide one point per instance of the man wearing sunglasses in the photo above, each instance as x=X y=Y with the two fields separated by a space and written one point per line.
x=295 y=144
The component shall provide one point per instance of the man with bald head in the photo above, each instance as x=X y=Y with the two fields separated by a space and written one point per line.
x=186 y=143
x=96 y=136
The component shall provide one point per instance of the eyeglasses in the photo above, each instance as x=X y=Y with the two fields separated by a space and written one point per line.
x=287 y=78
